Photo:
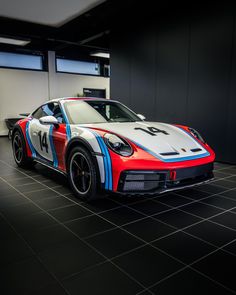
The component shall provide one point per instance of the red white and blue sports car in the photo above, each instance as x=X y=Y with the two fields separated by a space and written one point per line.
x=101 y=144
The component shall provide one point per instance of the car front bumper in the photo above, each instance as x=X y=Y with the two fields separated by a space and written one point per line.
x=160 y=181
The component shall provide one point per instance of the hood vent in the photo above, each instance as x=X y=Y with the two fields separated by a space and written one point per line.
x=169 y=154
x=196 y=150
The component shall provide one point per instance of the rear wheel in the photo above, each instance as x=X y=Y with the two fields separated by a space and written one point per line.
x=82 y=174
x=20 y=152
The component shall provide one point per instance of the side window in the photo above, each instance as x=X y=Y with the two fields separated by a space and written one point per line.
x=49 y=109
x=57 y=113
x=38 y=113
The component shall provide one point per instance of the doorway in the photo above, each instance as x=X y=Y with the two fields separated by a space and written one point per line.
x=91 y=92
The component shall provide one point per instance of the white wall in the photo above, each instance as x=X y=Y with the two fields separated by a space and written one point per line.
x=22 y=91
x=70 y=85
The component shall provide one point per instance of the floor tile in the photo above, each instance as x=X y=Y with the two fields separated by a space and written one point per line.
x=219 y=266
x=201 y=210
x=149 y=229
x=195 y=194
x=122 y=215
x=48 y=237
x=42 y=194
x=114 y=242
x=177 y=218
x=220 y=201
x=24 y=277
x=89 y=226
x=173 y=200
x=227 y=219
x=55 y=289
x=68 y=258
x=148 y=265
x=13 y=250
x=101 y=280
x=69 y=213
x=149 y=207
x=184 y=247
x=189 y=282
x=213 y=233
x=53 y=203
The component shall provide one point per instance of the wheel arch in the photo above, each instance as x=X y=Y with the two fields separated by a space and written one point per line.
x=17 y=128
x=75 y=142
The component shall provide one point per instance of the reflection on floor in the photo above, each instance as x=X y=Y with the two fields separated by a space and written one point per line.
x=52 y=243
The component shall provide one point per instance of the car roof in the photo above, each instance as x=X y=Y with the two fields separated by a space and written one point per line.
x=76 y=98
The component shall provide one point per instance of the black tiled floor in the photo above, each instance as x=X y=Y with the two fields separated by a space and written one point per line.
x=53 y=243
x=149 y=229
x=106 y=279
x=188 y=282
x=227 y=219
x=213 y=233
x=89 y=226
x=69 y=258
x=183 y=247
x=177 y=218
x=70 y=212
x=24 y=276
x=220 y=267
x=201 y=210
x=114 y=242
x=148 y=265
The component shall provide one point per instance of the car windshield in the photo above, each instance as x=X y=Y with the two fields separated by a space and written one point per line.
x=98 y=111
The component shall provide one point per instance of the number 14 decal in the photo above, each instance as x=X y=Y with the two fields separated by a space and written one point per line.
x=152 y=130
x=43 y=141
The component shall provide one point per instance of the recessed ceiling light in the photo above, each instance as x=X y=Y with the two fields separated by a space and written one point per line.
x=13 y=41
x=101 y=54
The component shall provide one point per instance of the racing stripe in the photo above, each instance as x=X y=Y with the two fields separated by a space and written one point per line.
x=106 y=160
x=68 y=130
x=55 y=160
x=33 y=152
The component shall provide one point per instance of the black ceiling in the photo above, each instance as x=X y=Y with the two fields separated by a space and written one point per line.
x=77 y=38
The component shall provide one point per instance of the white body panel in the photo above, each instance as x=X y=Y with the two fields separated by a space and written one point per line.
x=90 y=138
x=177 y=140
x=35 y=127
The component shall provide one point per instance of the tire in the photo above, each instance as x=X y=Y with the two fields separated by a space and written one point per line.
x=20 y=152
x=82 y=174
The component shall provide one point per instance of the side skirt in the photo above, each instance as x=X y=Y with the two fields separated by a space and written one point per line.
x=49 y=166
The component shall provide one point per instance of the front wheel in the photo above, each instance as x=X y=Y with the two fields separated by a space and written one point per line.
x=82 y=174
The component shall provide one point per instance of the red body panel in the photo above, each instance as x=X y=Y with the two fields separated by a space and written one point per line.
x=142 y=160
x=60 y=142
x=22 y=123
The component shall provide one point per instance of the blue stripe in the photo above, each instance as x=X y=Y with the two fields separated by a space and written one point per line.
x=29 y=140
x=68 y=130
x=187 y=158
x=55 y=161
x=106 y=160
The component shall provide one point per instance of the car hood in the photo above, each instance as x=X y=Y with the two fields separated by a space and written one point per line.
x=172 y=143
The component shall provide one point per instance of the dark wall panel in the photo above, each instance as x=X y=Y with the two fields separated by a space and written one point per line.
x=210 y=62
x=180 y=67
x=172 y=71
x=143 y=86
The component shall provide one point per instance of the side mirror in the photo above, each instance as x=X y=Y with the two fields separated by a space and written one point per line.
x=49 y=120
x=142 y=117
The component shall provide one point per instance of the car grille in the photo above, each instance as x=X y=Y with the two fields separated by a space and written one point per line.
x=155 y=181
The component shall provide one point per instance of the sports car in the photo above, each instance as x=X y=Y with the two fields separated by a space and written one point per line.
x=100 y=144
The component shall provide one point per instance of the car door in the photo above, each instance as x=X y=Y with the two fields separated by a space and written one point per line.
x=41 y=135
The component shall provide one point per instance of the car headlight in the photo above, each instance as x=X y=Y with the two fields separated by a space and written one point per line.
x=196 y=134
x=118 y=145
